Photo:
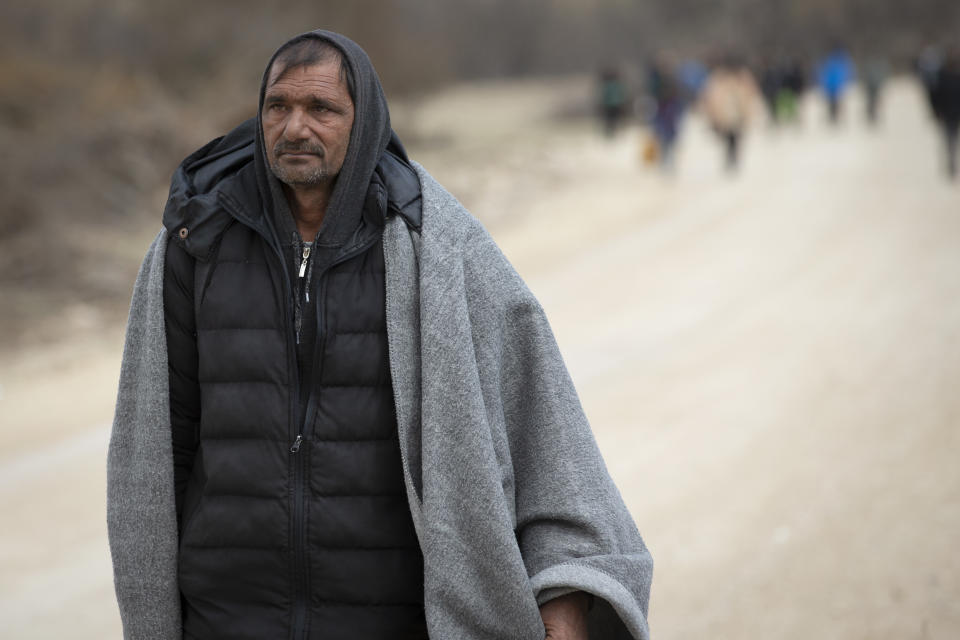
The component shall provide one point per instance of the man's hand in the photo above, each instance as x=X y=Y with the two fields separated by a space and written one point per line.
x=565 y=618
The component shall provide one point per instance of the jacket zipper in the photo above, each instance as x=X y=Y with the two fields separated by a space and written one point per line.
x=303 y=265
x=301 y=592
x=302 y=595
x=321 y=337
x=304 y=287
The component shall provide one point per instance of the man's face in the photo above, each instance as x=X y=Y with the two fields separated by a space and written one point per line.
x=307 y=117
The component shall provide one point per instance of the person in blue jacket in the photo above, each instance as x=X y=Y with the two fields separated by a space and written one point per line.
x=835 y=75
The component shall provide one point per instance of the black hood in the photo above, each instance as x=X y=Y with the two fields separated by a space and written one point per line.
x=369 y=138
x=231 y=175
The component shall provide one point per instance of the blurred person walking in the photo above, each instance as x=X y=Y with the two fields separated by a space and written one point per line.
x=771 y=81
x=835 y=75
x=793 y=83
x=782 y=84
x=875 y=73
x=666 y=94
x=729 y=101
x=692 y=76
x=946 y=106
x=927 y=66
x=341 y=412
x=612 y=100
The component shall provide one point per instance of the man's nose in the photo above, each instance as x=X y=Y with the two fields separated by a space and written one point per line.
x=297 y=127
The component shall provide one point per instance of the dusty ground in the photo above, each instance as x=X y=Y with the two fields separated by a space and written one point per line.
x=770 y=363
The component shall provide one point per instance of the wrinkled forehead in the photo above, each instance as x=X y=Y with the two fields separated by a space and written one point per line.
x=308 y=52
x=325 y=75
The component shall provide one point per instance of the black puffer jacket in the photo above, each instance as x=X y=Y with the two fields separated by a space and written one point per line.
x=294 y=520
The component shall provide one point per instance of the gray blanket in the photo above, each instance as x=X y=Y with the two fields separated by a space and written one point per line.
x=510 y=497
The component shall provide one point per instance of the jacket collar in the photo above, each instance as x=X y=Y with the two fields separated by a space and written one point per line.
x=217 y=184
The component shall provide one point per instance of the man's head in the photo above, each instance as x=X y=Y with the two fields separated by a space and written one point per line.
x=308 y=113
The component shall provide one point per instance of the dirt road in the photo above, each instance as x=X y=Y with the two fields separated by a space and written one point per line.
x=770 y=362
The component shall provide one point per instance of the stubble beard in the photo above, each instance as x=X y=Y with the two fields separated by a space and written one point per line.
x=300 y=176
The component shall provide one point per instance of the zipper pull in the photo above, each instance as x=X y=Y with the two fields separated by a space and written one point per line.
x=296 y=444
x=303 y=265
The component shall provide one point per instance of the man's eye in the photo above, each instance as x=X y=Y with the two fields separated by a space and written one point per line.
x=319 y=108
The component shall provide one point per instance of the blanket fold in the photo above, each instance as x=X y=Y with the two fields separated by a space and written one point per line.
x=511 y=499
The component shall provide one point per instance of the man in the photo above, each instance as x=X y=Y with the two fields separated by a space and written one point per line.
x=341 y=413
x=945 y=98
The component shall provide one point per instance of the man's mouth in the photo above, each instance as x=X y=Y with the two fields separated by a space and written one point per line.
x=293 y=152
